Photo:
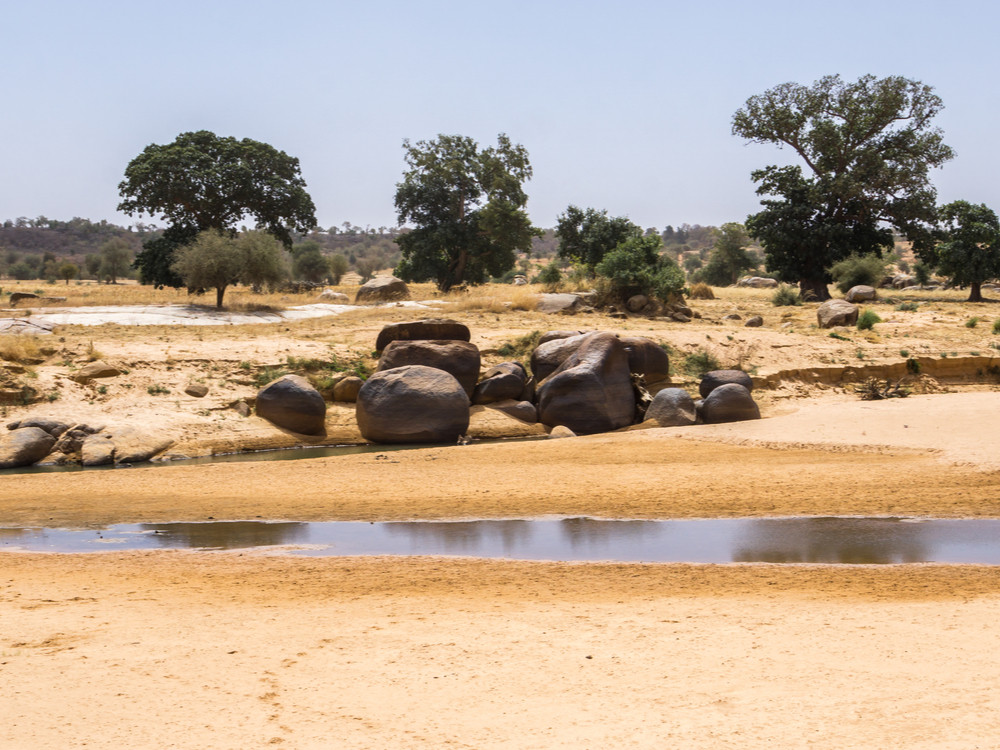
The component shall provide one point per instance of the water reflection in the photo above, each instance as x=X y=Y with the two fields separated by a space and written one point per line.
x=226 y=535
x=833 y=540
x=463 y=537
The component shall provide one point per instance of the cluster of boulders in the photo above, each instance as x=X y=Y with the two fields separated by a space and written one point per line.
x=30 y=441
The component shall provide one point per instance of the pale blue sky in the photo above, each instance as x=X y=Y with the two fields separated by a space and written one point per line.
x=624 y=106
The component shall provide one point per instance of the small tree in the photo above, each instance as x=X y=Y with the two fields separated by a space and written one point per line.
x=68 y=271
x=550 y=276
x=92 y=262
x=586 y=236
x=338 y=267
x=115 y=258
x=216 y=261
x=969 y=247
x=308 y=262
x=855 y=270
x=729 y=257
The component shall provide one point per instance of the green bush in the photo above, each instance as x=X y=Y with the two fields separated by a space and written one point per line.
x=858 y=269
x=699 y=362
x=996 y=327
x=867 y=320
x=972 y=322
x=786 y=296
x=921 y=273
x=907 y=307
x=635 y=267
x=550 y=276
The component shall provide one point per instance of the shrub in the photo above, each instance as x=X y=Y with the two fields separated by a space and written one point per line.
x=157 y=390
x=972 y=322
x=520 y=347
x=550 y=277
x=786 y=296
x=699 y=362
x=996 y=327
x=858 y=269
x=841 y=337
x=907 y=307
x=912 y=366
x=867 y=320
x=635 y=267
x=921 y=273
x=701 y=291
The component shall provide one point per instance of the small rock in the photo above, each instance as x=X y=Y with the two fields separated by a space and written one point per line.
x=836 y=312
x=729 y=403
x=430 y=329
x=292 y=403
x=566 y=304
x=636 y=303
x=198 y=390
x=712 y=380
x=561 y=431
x=523 y=410
x=337 y=298
x=672 y=407
x=382 y=289
x=733 y=316
x=242 y=408
x=347 y=389
x=93 y=370
x=754 y=322
x=860 y=293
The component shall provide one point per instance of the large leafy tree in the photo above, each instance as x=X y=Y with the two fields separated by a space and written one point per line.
x=586 y=236
x=968 y=250
x=202 y=182
x=868 y=146
x=729 y=256
x=467 y=206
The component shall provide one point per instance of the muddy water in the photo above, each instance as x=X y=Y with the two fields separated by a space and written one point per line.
x=777 y=540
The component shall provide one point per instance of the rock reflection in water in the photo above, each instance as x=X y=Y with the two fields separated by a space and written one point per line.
x=225 y=535
x=860 y=541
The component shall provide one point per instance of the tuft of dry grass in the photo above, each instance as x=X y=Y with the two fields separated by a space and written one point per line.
x=494 y=298
x=21 y=349
x=701 y=290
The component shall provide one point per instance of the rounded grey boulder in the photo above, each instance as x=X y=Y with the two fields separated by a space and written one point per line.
x=412 y=404
x=458 y=358
x=292 y=403
x=672 y=407
x=430 y=329
x=24 y=446
x=382 y=289
x=712 y=380
x=729 y=403
x=501 y=383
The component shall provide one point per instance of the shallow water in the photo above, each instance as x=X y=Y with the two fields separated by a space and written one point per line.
x=776 y=540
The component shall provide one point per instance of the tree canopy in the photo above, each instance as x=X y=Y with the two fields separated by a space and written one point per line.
x=868 y=145
x=467 y=206
x=216 y=260
x=202 y=181
x=968 y=250
x=729 y=256
x=586 y=236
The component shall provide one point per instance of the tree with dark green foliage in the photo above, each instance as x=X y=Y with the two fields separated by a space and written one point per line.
x=216 y=260
x=636 y=267
x=586 y=236
x=968 y=249
x=68 y=271
x=202 y=181
x=308 y=263
x=468 y=208
x=729 y=257
x=115 y=258
x=868 y=145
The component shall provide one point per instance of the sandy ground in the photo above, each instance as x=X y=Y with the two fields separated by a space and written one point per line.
x=240 y=650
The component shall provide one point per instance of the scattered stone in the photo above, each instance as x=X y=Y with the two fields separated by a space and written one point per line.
x=637 y=303
x=382 y=289
x=860 y=293
x=335 y=298
x=712 y=380
x=291 y=402
x=733 y=316
x=902 y=281
x=198 y=390
x=523 y=410
x=242 y=408
x=836 y=312
x=52 y=426
x=431 y=329
x=592 y=389
x=458 y=358
x=729 y=403
x=92 y=370
x=347 y=389
x=672 y=407
x=504 y=382
x=24 y=446
x=757 y=282
x=564 y=303
x=412 y=404
x=555 y=335
x=754 y=321
x=134 y=446
x=561 y=431
x=618 y=315
x=520 y=280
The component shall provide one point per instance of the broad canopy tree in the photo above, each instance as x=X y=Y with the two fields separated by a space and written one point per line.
x=868 y=146
x=586 y=236
x=216 y=260
x=968 y=249
x=202 y=182
x=468 y=209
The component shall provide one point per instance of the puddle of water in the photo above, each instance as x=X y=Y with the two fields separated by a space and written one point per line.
x=776 y=540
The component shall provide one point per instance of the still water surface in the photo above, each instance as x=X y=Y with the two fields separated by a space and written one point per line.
x=777 y=540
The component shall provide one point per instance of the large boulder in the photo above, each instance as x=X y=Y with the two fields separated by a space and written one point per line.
x=757 y=282
x=553 y=335
x=52 y=426
x=382 y=289
x=712 y=380
x=412 y=404
x=565 y=303
x=16 y=297
x=501 y=383
x=97 y=450
x=523 y=410
x=292 y=403
x=547 y=357
x=861 y=293
x=672 y=407
x=431 y=329
x=458 y=358
x=647 y=358
x=347 y=389
x=729 y=403
x=334 y=298
x=591 y=391
x=836 y=312
x=133 y=445
x=97 y=369
x=24 y=446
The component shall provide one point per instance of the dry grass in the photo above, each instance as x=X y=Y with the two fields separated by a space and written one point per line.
x=495 y=298
x=21 y=349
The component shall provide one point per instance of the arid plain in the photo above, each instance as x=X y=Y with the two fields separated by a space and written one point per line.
x=238 y=649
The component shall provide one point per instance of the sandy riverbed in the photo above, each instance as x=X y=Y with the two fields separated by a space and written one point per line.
x=238 y=650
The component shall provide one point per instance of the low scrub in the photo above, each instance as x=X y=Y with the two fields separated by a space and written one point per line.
x=701 y=290
x=786 y=296
x=699 y=362
x=21 y=349
x=867 y=320
x=855 y=270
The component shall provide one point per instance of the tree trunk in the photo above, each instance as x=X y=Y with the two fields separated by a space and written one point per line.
x=219 y=291
x=975 y=292
x=463 y=258
x=809 y=288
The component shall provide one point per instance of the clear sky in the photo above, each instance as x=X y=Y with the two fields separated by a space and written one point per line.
x=621 y=105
